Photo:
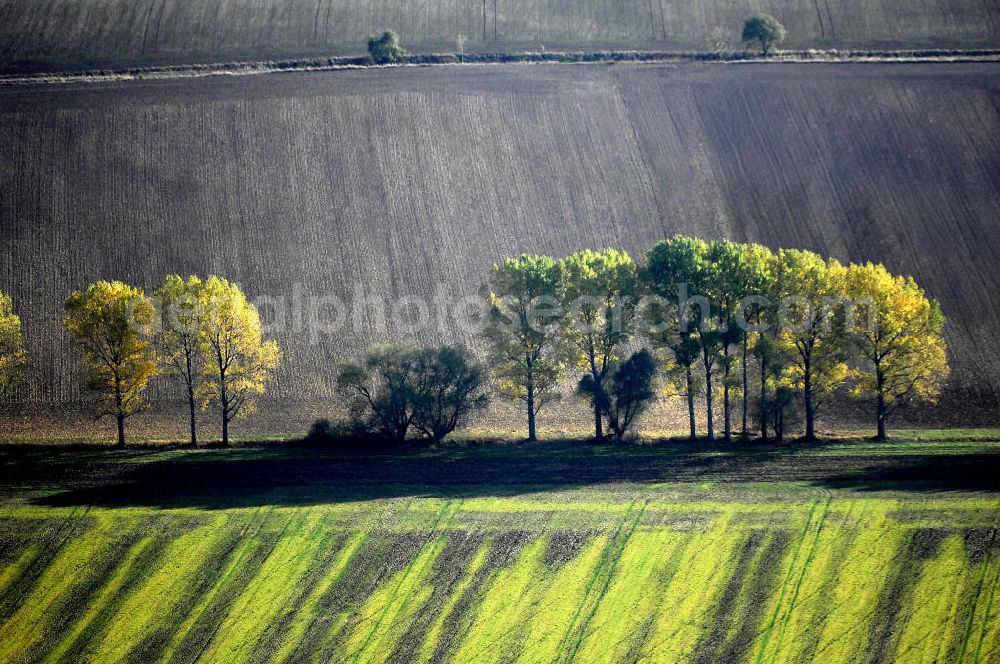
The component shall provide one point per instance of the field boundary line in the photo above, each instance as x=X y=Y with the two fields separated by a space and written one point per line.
x=251 y=67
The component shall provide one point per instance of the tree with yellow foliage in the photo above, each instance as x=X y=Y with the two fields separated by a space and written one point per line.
x=237 y=361
x=110 y=321
x=178 y=337
x=12 y=355
x=896 y=330
x=810 y=291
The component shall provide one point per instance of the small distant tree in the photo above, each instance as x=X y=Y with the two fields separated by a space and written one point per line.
x=110 y=322
x=598 y=300
x=385 y=49
x=451 y=390
x=763 y=29
x=12 y=354
x=238 y=362
x=178 y=337
x=522 y=331
x=896 y=330
x=626 y=393
x=381 y=390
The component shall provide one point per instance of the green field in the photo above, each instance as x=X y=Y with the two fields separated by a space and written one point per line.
x=559 y=552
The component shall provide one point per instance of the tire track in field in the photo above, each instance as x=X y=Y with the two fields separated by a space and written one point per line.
x=640 y=641
x=603 y=574
x=307 y=546
x=245 y=558
x=273 y=637
x=451 y=574
x=14 y=596
x=503 y=552
x=882 y=573
x=298 y=519
x=838 y=559
x=898 y=589
x=382 y=556
x=70 y=599
x=203 y=578
x=134 y=570
x=145 y=28
x=975 y=603
x=445 y=518
x=798 y=583
x=733 y=627
x=986 y=615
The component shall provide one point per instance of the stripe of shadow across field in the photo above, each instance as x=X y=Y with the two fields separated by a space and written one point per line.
x=898 y=588
x=449 y=570
x=382 y=555
x=743 y=603
x=289 y=476
x=504 y=549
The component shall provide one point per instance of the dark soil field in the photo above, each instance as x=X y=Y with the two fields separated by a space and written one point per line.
x=413 y=181
x=490 y=552
x=68 y=34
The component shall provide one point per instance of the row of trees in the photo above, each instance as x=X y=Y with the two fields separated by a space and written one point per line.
x=771 y=333
x=202 y=333
x=716 y=312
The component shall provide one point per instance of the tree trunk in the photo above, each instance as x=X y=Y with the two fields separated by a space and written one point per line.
x=744 y=434
x=727 y=423
x=690 y=400
x=598 y=428
x=531 y=413
x=810 y=408
x=121 y=429
x=708 y=396
x=224 y=403
x=194 y=421
x=763 y=401
x=484 y=20
x=880 y=406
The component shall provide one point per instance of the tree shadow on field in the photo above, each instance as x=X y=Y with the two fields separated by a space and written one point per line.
x=922 y=474
x=227 y=478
